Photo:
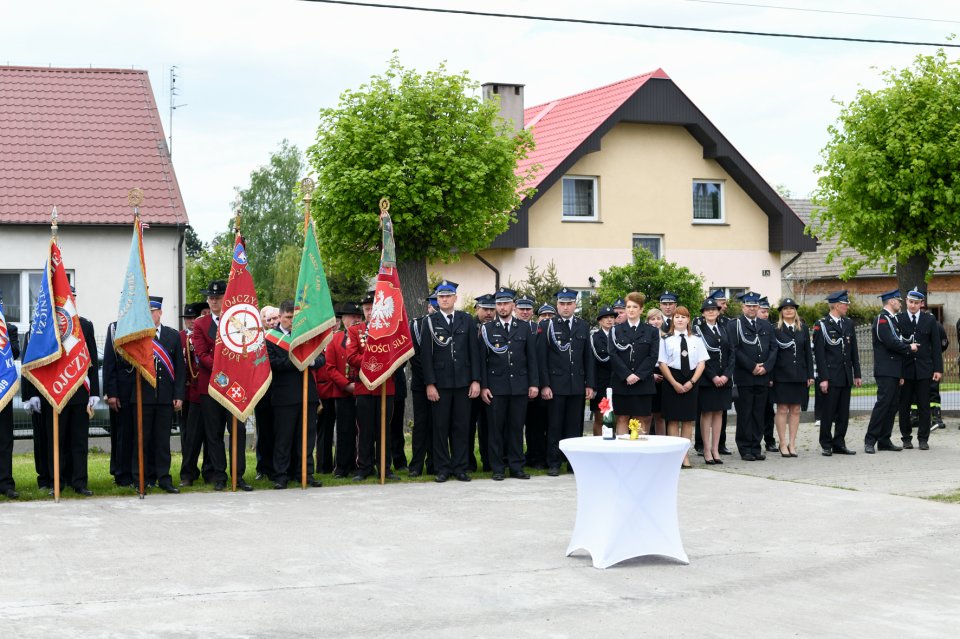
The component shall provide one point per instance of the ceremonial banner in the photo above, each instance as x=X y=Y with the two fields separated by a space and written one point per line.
x=56 y=359
x=133 y=338
x=388 y=331
x=313 y=316
x=9 y=382
x=241 y=367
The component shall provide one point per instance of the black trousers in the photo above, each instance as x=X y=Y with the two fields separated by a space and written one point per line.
x=536 y=431
x=395 y=433
x=345 y=460
x=768 y=421
x=157 y=421
x=422 y=433
x=751 y=403
x=74 y=430
x=6 y=448
x=479 y=432
x=191 y=441
x=264 y=413
x=916 y=392
x=505 y=415
x=451 y=417
x=216 y=419
x=884 y=411
x=124 y=422
x=564 y=420
x=368 y=433
x=326 y=423
x=41 y=446
x=288 y=441
x=834 y=407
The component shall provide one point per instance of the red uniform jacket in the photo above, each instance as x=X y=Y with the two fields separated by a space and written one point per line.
x=204 y=337
x=336 y=368
x=192 y=366
x=355 y=355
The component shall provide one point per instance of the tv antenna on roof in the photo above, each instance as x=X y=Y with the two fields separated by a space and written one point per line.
x=173 y=107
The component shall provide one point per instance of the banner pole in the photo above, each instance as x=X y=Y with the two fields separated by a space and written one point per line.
x=56 y=454
x=233 y=454
x=142 y=486
x=383 y=433
x=303 y=444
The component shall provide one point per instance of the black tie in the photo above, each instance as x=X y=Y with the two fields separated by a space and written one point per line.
x=913 y=320
x=570 y=324
x=752 y=325
x=716 y=331
x=450 y=320
x=684 y=358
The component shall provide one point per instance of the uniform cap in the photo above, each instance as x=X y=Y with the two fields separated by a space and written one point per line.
x=915 y=294
x=787 y=301
x=606 y=311
x=190 y=311
x=566 y=294
x=718 y=295
x=620 y=303
x=446 y=287
x=156 y=303
x=485 y=301
x=891 y=295
x=349 y=308
x=368 y=298
x=840 y=297
x=525 y=302
x=667 y=296
x=546 y=308
x=504 y=294
x=764 y=302
x=750 y=299
x=217 y=288
x=709 y=303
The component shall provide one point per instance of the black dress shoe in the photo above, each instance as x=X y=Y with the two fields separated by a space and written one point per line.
x=553 y=472
x=279 y=485
x=413 y=473
x=924 y=446
x=519 y=474
x=219 y=485
x=498 y=477
x=869 y=449
x=843 y=450
x=441 y=477
x=339 y=476
x=724 y=451
x=244 y=486
x=169 y=488
x=828 y=452
x=908 y=444
x=891 y=447
x=717 y=460
x=748 y=457
x=359 y=477
x=760 y=457
x=314 y=483
x=10 y=493
x=392 y=476
x=186 y=483
x=463 y=477
x=86 y=492
x=772 y=448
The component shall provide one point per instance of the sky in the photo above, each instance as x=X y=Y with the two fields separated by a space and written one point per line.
x=252 y=73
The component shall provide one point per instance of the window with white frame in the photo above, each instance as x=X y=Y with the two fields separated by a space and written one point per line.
x=19 y=292
x=580 y=198
x=653 y=243
x=708 y=202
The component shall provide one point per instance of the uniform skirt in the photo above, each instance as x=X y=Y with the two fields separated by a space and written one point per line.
x=632 y=405
x=713 y=399
x=656 y=398
x=677 y=407
x=790 y=392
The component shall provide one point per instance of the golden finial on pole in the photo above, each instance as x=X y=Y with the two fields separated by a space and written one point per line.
x=306 y=187
x=384 y=205
x=236 y=214
x=135 y=199
x=53 y=221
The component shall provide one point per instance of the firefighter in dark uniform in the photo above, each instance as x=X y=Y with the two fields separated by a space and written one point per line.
x=8 y=487
x=755 y=353
x=769 y=413
x=508 y=353
x=160 y=402
x=422 y=436
x=719 y=298
x=191 y=419
x=287 y=402
x=37 y=409
x=838 y=370
x=920 y=369
x=566 y=369
x=345 y=379
x=450 y=356
x=606 y=316
x=486 y=311
x=890 y=349
x=535 y=426
x=119 y=379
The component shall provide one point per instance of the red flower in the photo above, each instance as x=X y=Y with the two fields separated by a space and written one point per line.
x=604 y=405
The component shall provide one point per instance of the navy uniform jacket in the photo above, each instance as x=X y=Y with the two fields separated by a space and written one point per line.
x=416 y=365
x=929 y=357
x=889 y=348
x=514 y=370
x=599 y=346
x=794 y=361
x=721 y=354
x=167 y=389
x=118 y=376
x=835 y=351
x=747 y=355
x=567 y=371
x=449 y=354
x=633 y=351
x=286 y=388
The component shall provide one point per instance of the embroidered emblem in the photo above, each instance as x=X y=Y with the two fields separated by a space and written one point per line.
x=221 y=379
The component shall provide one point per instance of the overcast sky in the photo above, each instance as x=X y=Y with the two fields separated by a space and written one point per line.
x=252 y=73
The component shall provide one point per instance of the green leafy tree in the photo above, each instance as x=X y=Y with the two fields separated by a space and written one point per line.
x=651 y=276
x=272 y=220
x=437 y=150
x=541 y=285
x=192 y=243
x=890 y=177
x=213 y=263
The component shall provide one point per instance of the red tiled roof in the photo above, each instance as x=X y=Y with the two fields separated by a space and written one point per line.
x=560 y=126
x=80 y=139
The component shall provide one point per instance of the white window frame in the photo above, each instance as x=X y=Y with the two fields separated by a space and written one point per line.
x=596 y=199
x=26 y=310
x=649 y=236
x=723 y=202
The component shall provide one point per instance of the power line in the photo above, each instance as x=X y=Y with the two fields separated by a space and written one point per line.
x=635 y=25
x=830 y=11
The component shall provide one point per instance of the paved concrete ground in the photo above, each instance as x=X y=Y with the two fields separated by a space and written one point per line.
x=768 y=558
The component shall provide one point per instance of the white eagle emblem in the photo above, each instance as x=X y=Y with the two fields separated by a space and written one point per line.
x=382 y=311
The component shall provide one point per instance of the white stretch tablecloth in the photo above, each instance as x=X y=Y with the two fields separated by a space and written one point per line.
x=626 y=497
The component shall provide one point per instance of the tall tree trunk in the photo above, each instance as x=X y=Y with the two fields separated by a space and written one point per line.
x=413 y=278
x=913 y=272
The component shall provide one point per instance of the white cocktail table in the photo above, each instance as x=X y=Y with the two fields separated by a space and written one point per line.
x=626 y=497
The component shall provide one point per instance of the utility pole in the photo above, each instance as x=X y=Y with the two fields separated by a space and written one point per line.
x=173 y=107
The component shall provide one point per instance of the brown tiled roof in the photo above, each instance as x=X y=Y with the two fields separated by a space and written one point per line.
x=80 y=139
x=813 y=266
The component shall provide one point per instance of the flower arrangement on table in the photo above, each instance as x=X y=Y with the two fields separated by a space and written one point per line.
x=636 y=429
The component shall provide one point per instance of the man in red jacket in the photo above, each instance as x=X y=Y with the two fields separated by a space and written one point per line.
x=344 y=379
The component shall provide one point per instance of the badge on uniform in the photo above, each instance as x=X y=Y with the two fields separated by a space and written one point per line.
x=684 y=353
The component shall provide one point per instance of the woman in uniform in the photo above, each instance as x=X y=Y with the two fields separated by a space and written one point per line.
x=657 y=427
x=716 y=383
x=792 y=374
x=633 y=348
x=682 y=359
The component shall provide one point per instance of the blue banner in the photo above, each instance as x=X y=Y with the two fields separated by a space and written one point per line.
x=8 y=368
x=44 y=344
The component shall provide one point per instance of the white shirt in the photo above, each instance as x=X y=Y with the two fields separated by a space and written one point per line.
x=670 y=351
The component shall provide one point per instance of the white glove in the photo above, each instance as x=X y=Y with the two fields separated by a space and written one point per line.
x=93 y=401
x=32 y=405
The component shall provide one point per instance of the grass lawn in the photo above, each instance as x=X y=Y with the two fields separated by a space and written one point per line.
x=950 y=498
x=101 y=482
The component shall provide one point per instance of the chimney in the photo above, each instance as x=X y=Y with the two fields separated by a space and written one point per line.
x=511 y=101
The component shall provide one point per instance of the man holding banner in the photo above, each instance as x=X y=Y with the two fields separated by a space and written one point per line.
x=9 y=383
